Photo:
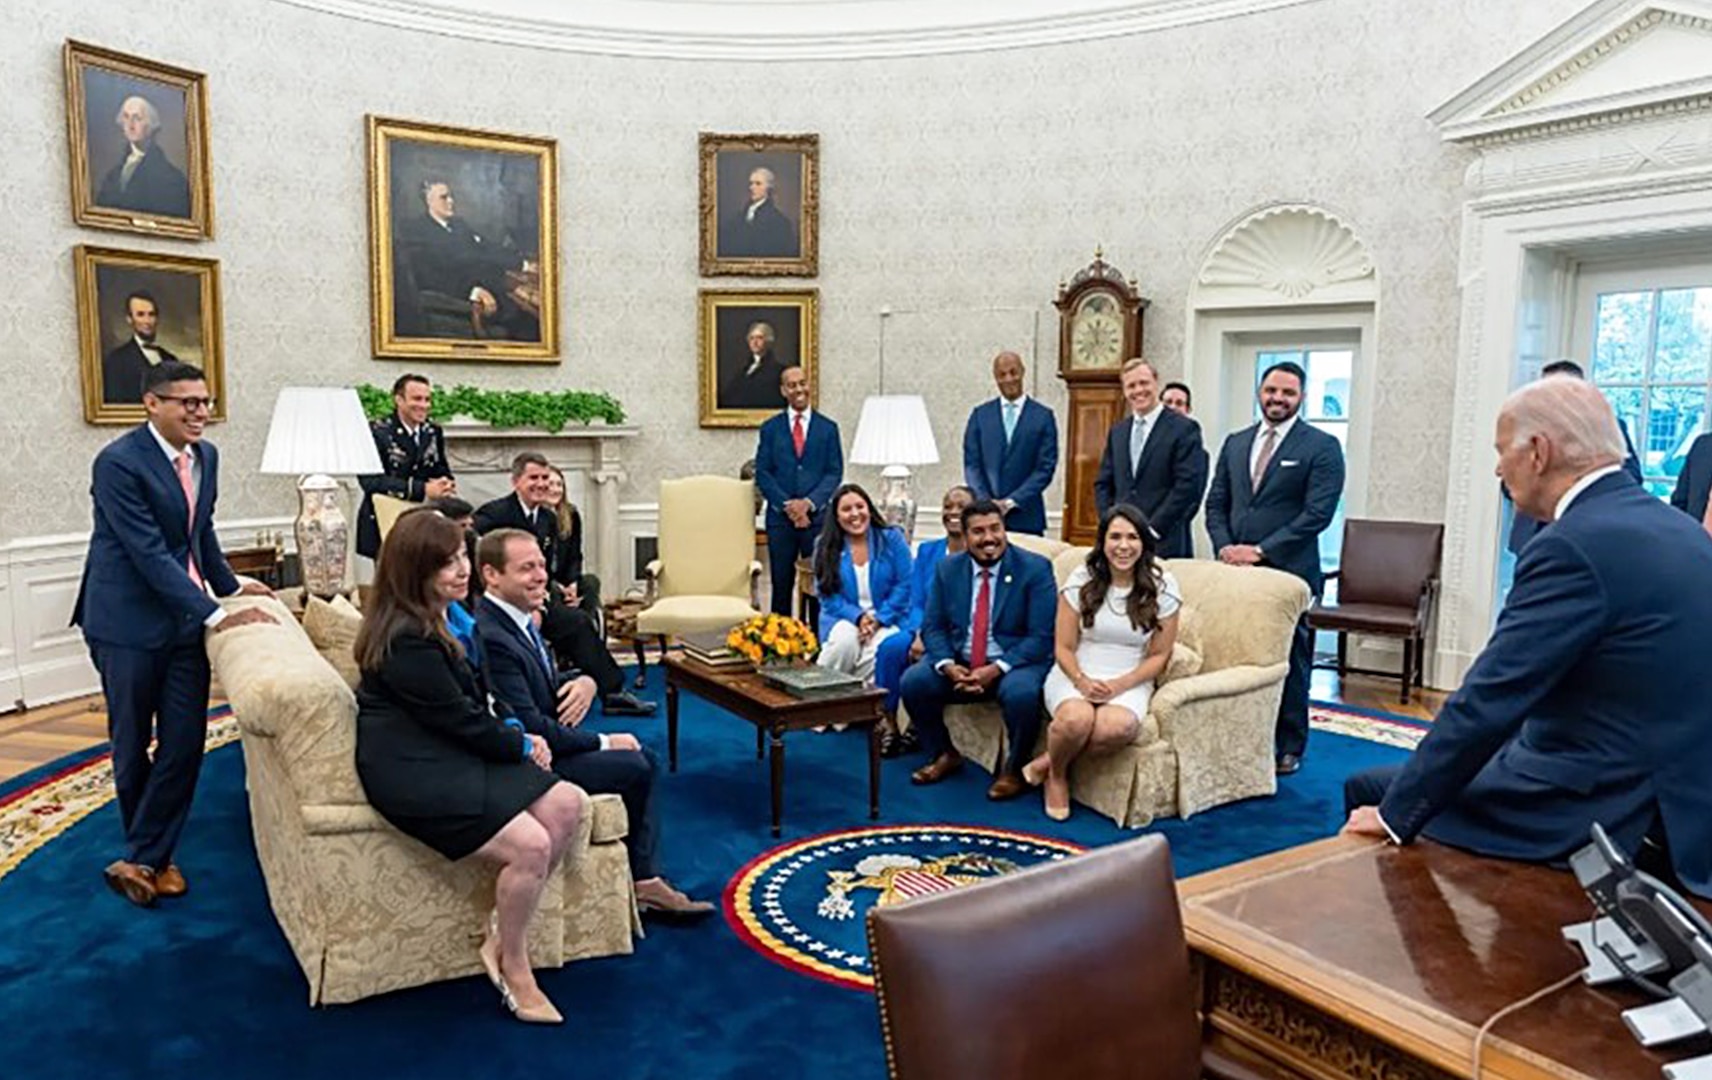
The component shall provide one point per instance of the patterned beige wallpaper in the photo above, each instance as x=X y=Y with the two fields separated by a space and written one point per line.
x=956 y=192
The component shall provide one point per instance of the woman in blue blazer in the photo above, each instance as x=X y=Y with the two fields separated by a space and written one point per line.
x=862 y=574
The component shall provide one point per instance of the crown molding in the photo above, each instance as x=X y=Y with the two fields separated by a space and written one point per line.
x=1524 y=98
x=795 y=29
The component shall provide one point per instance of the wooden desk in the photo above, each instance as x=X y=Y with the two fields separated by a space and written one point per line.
x=1349 y=958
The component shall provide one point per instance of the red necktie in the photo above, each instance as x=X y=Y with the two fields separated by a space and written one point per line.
x=189 y=487
x=798 y=438
x=983 y=615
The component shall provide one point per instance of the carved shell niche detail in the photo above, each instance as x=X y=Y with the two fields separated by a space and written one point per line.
x=1289 y=251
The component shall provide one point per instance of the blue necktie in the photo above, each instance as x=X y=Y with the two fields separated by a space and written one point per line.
x=1010 y=420
x=541 y=650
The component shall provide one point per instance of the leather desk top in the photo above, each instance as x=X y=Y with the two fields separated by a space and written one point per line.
x=1419 y=946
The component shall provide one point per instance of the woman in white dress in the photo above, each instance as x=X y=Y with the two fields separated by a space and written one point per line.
x=1117 y=622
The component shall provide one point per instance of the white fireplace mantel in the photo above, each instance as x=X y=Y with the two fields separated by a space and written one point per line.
x=588 y=455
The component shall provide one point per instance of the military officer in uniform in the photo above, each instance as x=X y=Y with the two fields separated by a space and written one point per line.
x=413 y=453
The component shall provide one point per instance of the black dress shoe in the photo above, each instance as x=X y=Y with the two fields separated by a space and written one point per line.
x=1288 y=763
x=626 y=704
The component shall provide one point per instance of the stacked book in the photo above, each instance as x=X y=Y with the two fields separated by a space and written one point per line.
x=710 y=650
x=812 y=681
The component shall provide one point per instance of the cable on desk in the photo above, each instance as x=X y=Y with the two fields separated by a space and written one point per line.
x=1516 y=1006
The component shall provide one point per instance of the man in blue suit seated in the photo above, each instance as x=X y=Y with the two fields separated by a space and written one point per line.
x=986 y=633
x=1523 y=526
x=1010 y=450
x=902 y=649
x=143 y=606
x=1592 y=702
x=524 y=682
x=1694 y=482
x=1274 y=492
x=799 y=461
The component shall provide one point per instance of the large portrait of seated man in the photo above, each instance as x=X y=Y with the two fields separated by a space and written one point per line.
x=139 y=155
x=760 y=202
x=464 y=243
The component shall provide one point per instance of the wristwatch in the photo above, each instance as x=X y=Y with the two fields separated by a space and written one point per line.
x=1260 y=552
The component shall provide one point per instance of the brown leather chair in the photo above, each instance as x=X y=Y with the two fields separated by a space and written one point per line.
x=1387 y=583
x=1074 y=969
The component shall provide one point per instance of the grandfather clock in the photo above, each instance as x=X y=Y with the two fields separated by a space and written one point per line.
x=1099 y=329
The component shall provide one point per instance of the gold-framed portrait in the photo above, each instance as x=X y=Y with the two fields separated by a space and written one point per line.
x=139 y=144
x=748 y=339
x=136 y=309
x=464 y=259
x=760 y=205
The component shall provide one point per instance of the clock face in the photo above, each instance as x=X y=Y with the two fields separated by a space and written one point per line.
x=1097 y=334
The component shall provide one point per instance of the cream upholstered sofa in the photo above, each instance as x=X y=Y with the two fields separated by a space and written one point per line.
x=1207 y=738
x=365 y=908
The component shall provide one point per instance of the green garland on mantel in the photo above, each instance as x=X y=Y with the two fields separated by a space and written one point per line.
x=507 y=408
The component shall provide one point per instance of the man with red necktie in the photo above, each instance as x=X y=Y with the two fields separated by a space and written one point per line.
x=799 y=462
x=986 y=634
x=143 y=606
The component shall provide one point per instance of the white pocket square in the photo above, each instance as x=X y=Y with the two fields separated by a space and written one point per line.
x=1288 y=464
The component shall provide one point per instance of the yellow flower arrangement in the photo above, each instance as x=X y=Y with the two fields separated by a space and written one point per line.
x=769 y=638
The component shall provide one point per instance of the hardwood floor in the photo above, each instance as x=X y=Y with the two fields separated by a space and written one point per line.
x=33 y=737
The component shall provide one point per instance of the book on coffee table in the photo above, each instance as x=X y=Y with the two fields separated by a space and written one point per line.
x=710 y=650
x=812 y=681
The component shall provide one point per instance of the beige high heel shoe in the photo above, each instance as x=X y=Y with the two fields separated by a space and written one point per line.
x=544 y=1013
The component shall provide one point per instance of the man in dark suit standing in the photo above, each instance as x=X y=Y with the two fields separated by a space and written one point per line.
x=525 y=684
x=1275 y=490
x=986 y=633
x=143 y=605
x=1155 y=461
x=1694 y=483
x=799 y=462
x=755 y=383
x=1010 y=449
x=1592 y=700
x=145 y=180
x=1524 y=527
x=760 y=230
x=575 y=638
x=413 y=453
x=124 y=369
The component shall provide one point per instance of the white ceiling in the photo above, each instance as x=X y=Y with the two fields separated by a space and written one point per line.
x=786 y=29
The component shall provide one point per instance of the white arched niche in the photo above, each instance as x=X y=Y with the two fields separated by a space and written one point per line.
x=1283 y=274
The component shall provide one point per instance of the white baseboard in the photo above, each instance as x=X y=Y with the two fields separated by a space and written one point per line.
x=42 y=656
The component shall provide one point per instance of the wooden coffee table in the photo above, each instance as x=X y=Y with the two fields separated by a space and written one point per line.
x=747 y=696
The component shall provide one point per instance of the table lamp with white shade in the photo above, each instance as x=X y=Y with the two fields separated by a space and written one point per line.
x=894 y=432
x=317 y=433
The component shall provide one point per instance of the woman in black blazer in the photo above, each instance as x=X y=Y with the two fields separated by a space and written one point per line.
x=436 y=763
x=567 y=568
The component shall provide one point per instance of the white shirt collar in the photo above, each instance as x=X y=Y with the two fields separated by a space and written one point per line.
x=1582 y=485
x=1151 y=416
x=146 y=346
x=528 y=511
x=137 y=153
x=518 y=615
x=806 y=415
x=169 y=450
x=1021 y=400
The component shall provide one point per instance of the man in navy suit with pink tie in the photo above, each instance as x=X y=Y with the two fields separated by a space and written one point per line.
x=143 y=606
x=799 y=462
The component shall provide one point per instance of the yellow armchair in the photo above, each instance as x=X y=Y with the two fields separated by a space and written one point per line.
x=706 y=576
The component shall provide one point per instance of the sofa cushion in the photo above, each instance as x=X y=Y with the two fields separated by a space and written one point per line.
x=693 y=614
x=333 y=628
x=1184 y=662
x=611 y=820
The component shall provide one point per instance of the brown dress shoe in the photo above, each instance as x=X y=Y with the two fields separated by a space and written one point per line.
x=938 y=769
x=170 y=882
x=1007 y=785
x=659 y=897
x=135 y=883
